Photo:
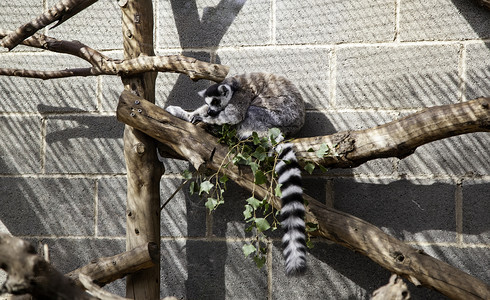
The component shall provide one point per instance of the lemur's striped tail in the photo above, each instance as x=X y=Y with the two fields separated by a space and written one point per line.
x=292 y=211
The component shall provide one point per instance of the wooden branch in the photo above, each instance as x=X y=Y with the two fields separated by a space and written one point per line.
x=196 y=145
x=108 y=269
x=485 y=3
x=103 y=65
x=144 y=170
x=29 y=273
x=60 y=12
x=399 y=138
x=96 y=290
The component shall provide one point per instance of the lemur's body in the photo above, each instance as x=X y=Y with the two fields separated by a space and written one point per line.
x=257 y=102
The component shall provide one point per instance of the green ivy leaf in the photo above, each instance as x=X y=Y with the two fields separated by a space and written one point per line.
x=247 y=213
x=309 y=244
x=256 y=139
x=260 y=153
x=255 y=203
x=254 y=166
x=187 y=175
x=259 y=261
x=205 y=187
x=192 y=187
x=260 y=177
x=223 y=179
x=324 y=149
x=311 y=227
x=248 y=249
x=262 y=224
x=309 y=167
x=211 y=204
x=277 y=190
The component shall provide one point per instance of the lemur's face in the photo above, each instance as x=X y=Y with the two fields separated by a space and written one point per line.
x=217 y=97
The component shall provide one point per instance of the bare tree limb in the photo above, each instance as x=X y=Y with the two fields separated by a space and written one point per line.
x=29 y=273
x=60 y=12
x=96 y=290
x=399 y=138
x=108 y=269
x=196 y=145
x=103 y=65
x=485 y=3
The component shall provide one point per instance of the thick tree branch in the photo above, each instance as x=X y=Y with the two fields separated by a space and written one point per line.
x=108 y=269
x=29 y=273
x=60 y=12
x=103 y=65
x=485 y=3
x=399 y=138
x=196 y=145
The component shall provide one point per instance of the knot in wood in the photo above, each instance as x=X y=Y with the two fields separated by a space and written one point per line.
x=140 y=148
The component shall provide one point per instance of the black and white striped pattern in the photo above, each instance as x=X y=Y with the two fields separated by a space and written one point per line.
x=292 y=211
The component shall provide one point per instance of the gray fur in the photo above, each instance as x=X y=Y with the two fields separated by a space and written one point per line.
x=257 y=102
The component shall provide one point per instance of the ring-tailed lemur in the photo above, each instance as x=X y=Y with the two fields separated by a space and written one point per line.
x=257 y=102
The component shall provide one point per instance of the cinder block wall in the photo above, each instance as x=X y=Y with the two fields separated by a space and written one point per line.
x=357 y=63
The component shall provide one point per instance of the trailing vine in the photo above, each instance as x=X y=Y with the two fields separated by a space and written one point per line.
x=255 y=152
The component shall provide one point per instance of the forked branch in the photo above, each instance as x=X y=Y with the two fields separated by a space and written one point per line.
x=61 y=11
x=194 y=144
x=103 y=65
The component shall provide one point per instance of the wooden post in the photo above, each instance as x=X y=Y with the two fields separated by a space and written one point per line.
x=143 y=168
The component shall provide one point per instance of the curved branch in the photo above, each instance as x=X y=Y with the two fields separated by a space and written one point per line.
x=103 y=65
x=60 y=12
x=201 y=149
x=399 y=138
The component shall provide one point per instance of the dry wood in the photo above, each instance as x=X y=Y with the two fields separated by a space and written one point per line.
x=485 y=3
x=399 y=138
x=103 y=65
x=29 y=273
x=396 y=289
x=143 y=168
x=108 y=269
x=196 y=145
x=60 y=12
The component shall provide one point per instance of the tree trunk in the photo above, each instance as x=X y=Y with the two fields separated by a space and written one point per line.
x=143 y=168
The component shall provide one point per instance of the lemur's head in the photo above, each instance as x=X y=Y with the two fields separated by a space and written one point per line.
x=217 y=97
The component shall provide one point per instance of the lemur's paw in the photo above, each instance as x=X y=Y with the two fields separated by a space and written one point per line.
x=174 y=110
x=196 y=119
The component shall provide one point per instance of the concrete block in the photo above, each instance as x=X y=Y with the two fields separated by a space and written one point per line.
x=47 y=206
x=476 y=225
x=98 y=26
x=212 y=23
x=20 y=149
x=228 y=219
x=178 y=89
x=14 y=13
x=184 y=215
x=460 y=155
x=219 y=270
x=111 y=88
x=406 y=210
x=397 y=77
x=443 y=20
x=477 y=74
x=307 y=68
x=336 y=272
x=84 y=144
x=334 y=21
x=34 y=95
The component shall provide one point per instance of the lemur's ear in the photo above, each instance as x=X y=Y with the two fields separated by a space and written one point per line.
x=223 y=89
x=201 y=93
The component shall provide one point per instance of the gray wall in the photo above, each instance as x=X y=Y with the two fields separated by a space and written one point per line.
x=357 y=63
